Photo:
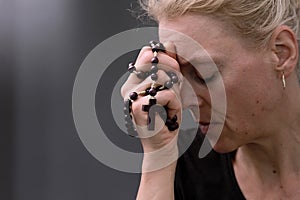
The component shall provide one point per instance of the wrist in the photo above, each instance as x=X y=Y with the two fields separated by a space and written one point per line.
x=159 y=159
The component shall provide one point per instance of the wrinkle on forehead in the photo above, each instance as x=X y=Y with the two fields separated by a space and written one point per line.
x=190 y=32
x=190 y=52
x=186 y=47
x=199 y=38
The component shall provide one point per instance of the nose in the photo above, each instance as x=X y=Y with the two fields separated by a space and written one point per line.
x=189 y=97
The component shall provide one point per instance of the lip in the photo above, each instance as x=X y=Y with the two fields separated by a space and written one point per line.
x=204 y=123
x=204 y=126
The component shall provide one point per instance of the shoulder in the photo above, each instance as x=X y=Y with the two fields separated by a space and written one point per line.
x=189 y=159
x=211 y=177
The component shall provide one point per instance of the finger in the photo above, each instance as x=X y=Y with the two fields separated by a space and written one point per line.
x=166 y=98
x=170 y=49
x=144 y=64
x=144 y=61
x=143 y=50
x=167 y=61
x=141 y=117
x=171 y=100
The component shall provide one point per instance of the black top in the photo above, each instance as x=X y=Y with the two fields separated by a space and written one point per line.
x=209 y=178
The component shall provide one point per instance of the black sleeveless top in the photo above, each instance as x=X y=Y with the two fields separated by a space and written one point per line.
x=209 y=178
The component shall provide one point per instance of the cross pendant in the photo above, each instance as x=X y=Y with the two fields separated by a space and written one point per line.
x=151 y=115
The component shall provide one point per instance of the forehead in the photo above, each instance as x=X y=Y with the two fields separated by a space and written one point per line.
x=195 y=36
x=199 y=37
x=192 y=23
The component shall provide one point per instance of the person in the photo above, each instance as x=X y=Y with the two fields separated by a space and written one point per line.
x=254 y=45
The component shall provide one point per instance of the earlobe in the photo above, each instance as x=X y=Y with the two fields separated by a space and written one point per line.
x=285 y=46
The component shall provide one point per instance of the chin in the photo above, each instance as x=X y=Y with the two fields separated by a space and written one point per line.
x=225 y=143
x=224 y=147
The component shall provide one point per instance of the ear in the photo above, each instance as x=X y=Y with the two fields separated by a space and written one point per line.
x=285 y=47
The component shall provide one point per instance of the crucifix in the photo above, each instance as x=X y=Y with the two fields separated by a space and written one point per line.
x=152 y=108
x=151 y=115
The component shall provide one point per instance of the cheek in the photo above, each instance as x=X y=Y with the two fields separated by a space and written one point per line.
x=250 y=83
x=247 y=102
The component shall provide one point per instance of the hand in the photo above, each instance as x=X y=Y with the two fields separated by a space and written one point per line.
x=168 y=98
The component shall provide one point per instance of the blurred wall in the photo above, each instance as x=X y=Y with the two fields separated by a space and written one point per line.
x=43 y=44
x=6 y=99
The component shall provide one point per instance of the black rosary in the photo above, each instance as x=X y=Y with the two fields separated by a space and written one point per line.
x=152 y=108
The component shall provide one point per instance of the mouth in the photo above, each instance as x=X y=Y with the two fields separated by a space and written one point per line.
x=204 y=127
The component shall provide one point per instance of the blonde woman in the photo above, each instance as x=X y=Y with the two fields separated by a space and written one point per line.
x=255 y=47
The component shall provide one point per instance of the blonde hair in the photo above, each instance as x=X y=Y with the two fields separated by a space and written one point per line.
x=252 y=19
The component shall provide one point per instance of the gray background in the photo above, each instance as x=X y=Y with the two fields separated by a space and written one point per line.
x=42 y=44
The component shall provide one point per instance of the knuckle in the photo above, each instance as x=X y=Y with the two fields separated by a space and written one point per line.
x=123 y=90
x=174 y=65
x=146 y=56
x=175 y=100
x=144 y=49
x=169 y=63
x=172 y=95
x=137 y=108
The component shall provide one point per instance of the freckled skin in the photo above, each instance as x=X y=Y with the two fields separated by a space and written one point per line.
x=246 y=75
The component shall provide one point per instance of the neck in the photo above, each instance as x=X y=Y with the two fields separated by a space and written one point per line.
x=278 y=151
x=273 y=166
x=272 y=162
x=277 y=156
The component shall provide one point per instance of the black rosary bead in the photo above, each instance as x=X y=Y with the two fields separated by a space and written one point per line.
x=127 y=107
x=131 y=67
x=152 y=43
x=132 y=132
x=127 y=103
x=128 y=124
x=133 y=96
x=172 y=123
x=154 y=77
x=158 y=47
x=173 y=127
x=154 y=69
x=174 y=79
x=161 y=47
x=168 y=84
x=141 y=75
x=152 y=92
x=168 y=122
x=128 y=119
x=174 y=119
x=127 y=110
x=154 y=60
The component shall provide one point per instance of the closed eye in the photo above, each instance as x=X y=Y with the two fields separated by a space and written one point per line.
x=194 y=75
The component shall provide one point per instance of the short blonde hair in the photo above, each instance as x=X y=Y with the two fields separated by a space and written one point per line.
x=253 y=19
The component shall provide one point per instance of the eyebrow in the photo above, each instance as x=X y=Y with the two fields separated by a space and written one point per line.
x=194 y=61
